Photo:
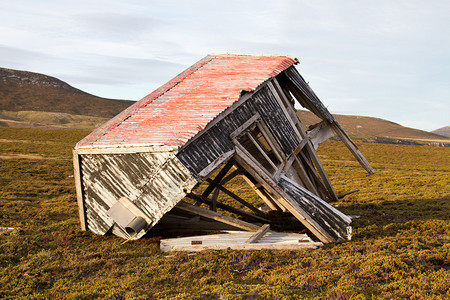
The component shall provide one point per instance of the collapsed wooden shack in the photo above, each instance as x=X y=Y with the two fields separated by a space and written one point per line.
x=225 y=116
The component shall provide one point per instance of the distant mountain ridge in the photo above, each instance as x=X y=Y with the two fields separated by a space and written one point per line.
x=444 y=131
x=28 y=91
x=31 y=99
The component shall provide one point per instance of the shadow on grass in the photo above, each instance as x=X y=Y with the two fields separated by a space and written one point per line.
x=388 y=218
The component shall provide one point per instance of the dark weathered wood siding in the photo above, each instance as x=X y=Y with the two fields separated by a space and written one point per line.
x=154 y=182
x=332 y=221
x=212 y=143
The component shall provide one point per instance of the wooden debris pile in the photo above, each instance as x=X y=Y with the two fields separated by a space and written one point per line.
x=226 y=116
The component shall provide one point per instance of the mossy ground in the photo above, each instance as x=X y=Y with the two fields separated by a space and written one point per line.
x=400 y=247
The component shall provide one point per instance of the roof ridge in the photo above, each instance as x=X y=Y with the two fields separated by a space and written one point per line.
x=256 y=55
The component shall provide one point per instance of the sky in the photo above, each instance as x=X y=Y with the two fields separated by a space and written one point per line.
x=386 y=59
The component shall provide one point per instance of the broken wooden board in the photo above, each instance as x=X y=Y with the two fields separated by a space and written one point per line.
x=236 y=240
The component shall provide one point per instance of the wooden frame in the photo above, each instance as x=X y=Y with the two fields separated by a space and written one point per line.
x=283 y=101
x=267 y=135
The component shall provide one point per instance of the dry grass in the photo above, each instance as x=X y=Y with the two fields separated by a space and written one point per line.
x=400 y=247
x=49 y=120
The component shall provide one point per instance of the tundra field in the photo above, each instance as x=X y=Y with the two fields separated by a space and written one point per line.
x=400 y=246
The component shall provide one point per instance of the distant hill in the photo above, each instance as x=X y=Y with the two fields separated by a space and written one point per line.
x=30 y=99
x=379 y=130
x=444 y=131
x=27 y=91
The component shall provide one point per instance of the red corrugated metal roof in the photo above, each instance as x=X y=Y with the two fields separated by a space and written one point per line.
x=178 y=110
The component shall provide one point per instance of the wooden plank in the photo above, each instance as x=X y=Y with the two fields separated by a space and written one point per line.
x=79 y=190
x=304 y=176
x=217 y=216
x=255 y=247
x=312 y=174
x=236 y=241
x=272 y=141
x=259 y=234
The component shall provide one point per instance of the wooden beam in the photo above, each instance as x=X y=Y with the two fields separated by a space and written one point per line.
x=272 y=141
x=226 y=207
x=258 y=235
x=262 y=151
x=313 y=175
x=260 y=191
x=353 y=148
x=218 y=178
x=244 y=126
x=217 y=216
x=215 y=195
x=237 y=198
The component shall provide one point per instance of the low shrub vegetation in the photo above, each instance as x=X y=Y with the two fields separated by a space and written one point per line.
x=400 y=245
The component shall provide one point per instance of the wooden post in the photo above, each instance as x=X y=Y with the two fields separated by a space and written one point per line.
x=79 y=190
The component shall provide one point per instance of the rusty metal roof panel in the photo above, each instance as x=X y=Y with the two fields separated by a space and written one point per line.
x=182 y=107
